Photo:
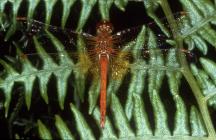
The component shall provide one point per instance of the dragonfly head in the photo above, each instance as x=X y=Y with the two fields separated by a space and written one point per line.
x=104 y=27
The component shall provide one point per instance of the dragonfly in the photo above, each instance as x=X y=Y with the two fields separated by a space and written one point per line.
x=109 y=52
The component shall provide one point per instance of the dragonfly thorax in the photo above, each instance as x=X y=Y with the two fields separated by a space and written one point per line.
x=104 y=44
x=103 y=55
x=104 y=49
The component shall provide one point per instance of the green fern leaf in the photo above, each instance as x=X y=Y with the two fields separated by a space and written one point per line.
x=63 y=130
x=82 y=126
x=32 y=7
x=43 y=131
x=7 y=84
x=193 y=31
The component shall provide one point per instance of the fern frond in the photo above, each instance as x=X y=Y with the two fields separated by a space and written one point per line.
x=206 y=80
x=62 y=128
x=43 y=131
x=7 y=84
x=130 y=118
x=29 y=73
x=198 y=28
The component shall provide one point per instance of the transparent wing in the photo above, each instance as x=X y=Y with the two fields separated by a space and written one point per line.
x=30 y=28
x=150 y=59
x=161 y=27
x=69 y=37
x=124 y=59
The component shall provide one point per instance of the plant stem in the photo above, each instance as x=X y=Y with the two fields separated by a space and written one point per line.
x=202 y=103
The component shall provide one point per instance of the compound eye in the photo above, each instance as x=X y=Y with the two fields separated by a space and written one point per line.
x=104 y=26
x=109 y=29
